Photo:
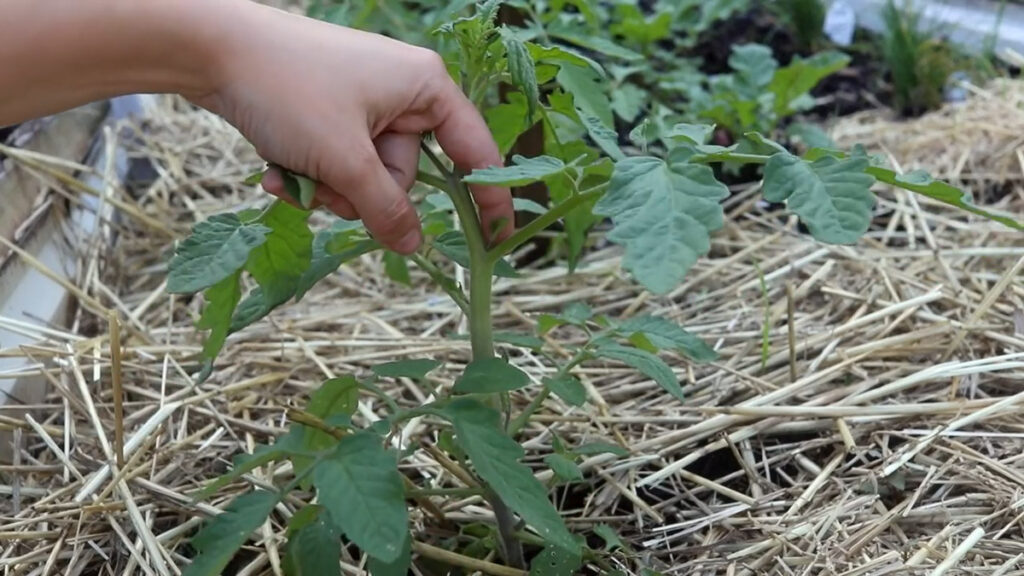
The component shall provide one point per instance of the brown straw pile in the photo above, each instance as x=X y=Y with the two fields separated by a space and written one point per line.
x=866 y=415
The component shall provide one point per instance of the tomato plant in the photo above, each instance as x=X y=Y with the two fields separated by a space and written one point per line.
x=664 y=203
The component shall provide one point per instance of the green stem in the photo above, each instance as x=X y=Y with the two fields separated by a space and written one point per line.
x=728 y=157
x=546 y=219
x=481 y=270
x=431 y=180
x=523 y=418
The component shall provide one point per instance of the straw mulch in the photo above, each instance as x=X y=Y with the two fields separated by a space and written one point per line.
x=865 y=417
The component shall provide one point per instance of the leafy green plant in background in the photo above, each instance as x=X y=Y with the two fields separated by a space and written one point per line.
x=806 y=18
x=663 y=205
x=919 y=62
x=759 y=94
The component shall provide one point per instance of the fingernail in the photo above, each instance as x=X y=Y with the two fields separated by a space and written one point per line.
x=409 y=243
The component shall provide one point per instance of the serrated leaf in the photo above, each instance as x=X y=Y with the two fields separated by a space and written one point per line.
x=453 y=245
x=605 y=138
x=565 y=470
x=221 y=300
x=588 y=92
x=597 y=448
x=521 y=69
x=663 y=216
x=554 y=561
x=792 y=83
x=397 y=567
x=522 y=171
x=332 y=248
x=668 y=335
x=314 y=548
x=337 y=396
x=568 y=388
x=223 y=535
x=496 y=458
x=359 y=484
x=832 y=197
x=396 y=267
x=416 y=368
x=279 y=263
x=490 y=375
x=216 y=249
x=648 y=364
x=697 y=134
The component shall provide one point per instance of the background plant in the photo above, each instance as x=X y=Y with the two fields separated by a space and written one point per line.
x=664 y=202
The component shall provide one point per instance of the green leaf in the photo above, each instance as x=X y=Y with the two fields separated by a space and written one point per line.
x=611 y=539
x=663 y=215
x=397 y=567
x=606 y=138
x=589 y=93
x=252 y=309
x=527 y=205
x=313 y=547
x=697 y=134
x=337 y=396
x=568 y=388
x=223 y=535
x=279 y=263
x=577 y=313
x=521 y=68
x=754 y=63
x=496 y=458
x=361 y=487
x=490 y=375
x=396 y=268
x=242 y=464
x=597 y=448
x=562 y=55
x=332 y=248
x=453 y=245
x=832 y=197
x=522 y=171
x=556 y=561
x=628 y=101
x=792 y=83
x=415 y=369
x=508 y=121
x=221 y=300
x=647 y=363
x=299 y=188
x=254 y=178
x=668 y=335
x=565 y=470
x=595 y=43
x=216 y=249
x=922 y=183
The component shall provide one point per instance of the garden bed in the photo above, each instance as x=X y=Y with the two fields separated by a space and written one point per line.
x=870 y=426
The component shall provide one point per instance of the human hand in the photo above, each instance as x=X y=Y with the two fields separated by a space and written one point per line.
x=347 y=109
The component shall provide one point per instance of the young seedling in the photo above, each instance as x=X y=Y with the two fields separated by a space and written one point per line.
x=663 y=207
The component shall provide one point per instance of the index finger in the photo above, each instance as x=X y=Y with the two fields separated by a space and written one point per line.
x=465 y=138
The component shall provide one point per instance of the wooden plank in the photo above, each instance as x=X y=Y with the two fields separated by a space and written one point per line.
x=25 y=294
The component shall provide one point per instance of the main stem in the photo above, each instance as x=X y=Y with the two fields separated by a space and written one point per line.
x=481 y=335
